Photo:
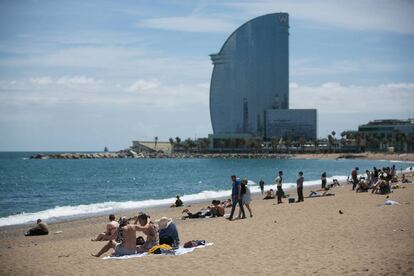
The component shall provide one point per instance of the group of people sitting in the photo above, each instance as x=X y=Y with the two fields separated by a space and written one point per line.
x=216 y=209
x=380 y=181
x=122 y=235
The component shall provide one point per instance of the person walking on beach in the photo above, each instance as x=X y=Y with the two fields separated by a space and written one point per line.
x=246 y=196
x=236 y=197
x=278 y=181
x=323 y=180
x=261 y=185
x=299 y=184
x=354 y=175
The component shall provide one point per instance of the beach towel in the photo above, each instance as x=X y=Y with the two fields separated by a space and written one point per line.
x=391 y=202
x=179 y=251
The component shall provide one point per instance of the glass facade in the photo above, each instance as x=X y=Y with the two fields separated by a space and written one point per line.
x=251 y=75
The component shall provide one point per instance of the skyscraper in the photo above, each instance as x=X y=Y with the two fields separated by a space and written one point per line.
x=251 y=78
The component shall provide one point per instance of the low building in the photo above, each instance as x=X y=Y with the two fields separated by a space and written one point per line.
x=151 y=146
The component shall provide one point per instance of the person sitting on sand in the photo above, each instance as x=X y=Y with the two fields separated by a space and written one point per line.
x=125 y=243
x=217 y=210
x=178 y=202
x=40 y=229
x=227 y=203
x=362 y=186
x=269 y=194
x=404 y=179
x=111 y=227
x=168 y=232
x=382 y=186
x=151 y=232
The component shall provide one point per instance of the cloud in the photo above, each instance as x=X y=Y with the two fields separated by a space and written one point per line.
x=191 y=23
x=332 y=97
x=142 y=85
x=41 y=80
x=380 y=15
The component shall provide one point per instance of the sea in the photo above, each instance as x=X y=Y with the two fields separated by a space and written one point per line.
x=57 y=190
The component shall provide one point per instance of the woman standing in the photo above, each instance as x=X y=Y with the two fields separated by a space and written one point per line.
x=246 y=196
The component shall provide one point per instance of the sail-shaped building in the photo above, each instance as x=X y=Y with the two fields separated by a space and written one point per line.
x=249 y=90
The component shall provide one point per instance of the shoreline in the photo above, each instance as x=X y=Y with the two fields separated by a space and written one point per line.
x=310 y=237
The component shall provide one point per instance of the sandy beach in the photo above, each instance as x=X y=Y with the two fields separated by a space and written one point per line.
x=306 y=238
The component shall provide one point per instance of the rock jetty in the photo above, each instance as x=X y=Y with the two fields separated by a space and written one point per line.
x=141 y=155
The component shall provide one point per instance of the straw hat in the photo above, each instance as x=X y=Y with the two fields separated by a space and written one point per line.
x=164 y=222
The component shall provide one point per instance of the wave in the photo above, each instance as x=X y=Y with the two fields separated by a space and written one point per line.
x=61 y=213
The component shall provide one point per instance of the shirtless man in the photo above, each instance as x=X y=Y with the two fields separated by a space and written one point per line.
x=111 y=227
x=125 y=239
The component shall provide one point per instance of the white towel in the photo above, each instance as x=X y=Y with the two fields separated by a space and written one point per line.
x=179 y=251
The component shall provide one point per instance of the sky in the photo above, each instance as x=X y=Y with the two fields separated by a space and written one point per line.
x=82 y=75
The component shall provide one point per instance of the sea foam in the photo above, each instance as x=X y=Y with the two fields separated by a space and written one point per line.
x=61 y=213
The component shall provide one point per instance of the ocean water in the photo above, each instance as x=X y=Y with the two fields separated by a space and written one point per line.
x=56 y=190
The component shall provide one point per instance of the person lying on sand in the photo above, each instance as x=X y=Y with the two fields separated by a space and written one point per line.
x=111 y=227
x=318 y=194
x=404 y=179
x=178 y=202
x=203 y=213
x=38 y=230
x=125 y=242
x=269 y=194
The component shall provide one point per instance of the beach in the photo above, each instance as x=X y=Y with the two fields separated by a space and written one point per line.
x=306 y=238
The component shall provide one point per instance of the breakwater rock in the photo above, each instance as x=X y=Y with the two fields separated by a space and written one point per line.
x=141 y=155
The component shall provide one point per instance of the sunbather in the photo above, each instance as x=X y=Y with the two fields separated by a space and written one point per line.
x=269 y=194
x=125 y=242
x=110 y=231
x=38 y=230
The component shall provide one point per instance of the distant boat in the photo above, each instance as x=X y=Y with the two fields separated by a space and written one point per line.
x=106 y=149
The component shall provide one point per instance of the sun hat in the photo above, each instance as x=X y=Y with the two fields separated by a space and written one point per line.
x=164 y=222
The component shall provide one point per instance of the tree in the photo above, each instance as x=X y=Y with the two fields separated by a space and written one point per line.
x=302 y=142
x=155 y=142
x=178 y=142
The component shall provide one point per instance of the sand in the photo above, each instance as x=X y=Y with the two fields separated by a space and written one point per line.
x=309 y=238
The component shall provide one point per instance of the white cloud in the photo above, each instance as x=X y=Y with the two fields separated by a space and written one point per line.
x=69 y=80
x=191 y=23
x=41 y=80
x=334 y=97
x=382 y=15
x=142 y=85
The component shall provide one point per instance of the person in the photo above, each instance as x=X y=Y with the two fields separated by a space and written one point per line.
x=236 y=197
x=40 y=229
x=227 y=203
x=203 y=213
x=168 y=232
x=323 y=181
x=299 y=184
x=247 y=197
x=261 y=185
x=125 y=242
x=363 y=186
x=269 y=194
x=354 y=175
x=278 y=181
x=404 y=180
x=217 y=210
x=178 y=202
x=335 y=182
x=111 y=227
x=150 y=231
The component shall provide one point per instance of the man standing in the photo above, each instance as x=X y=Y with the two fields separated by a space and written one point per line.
x=236 y=197
x=299 y=184
x=261 y=184
x=278 y=181
x=354 y=175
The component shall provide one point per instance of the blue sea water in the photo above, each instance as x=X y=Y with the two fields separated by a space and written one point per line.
x=61 y=189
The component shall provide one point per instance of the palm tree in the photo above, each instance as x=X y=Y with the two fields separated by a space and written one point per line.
x=171 y=143
x=302 y=142
x=178 y=142
x=155 y=142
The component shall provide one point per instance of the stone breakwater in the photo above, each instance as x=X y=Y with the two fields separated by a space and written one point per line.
x=135 y=155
